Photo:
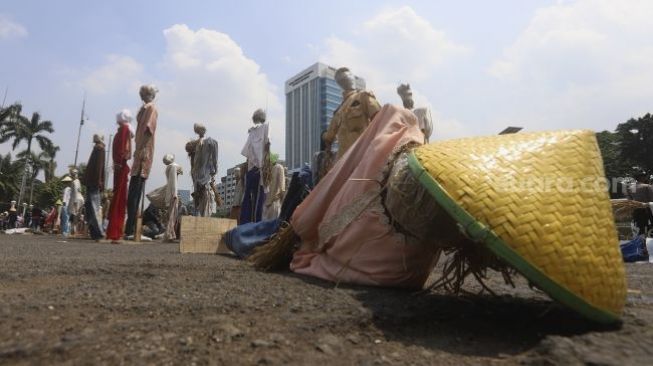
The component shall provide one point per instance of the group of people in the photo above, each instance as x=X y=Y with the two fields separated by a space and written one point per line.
x=389 y=203
x=260 y=185
x=259 y=190
x=124 y=201
x=346 y=186
x=33 y=218
x=381 y=208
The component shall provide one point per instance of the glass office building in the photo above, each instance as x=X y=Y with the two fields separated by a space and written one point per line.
x=312 y=96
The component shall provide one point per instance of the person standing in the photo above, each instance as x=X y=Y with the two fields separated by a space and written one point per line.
x=121 y=153
x=354 y=114
x=423 y=114
x=276 y=192
x=65 y=206
x=36 y=216
x=27 y=221
x=256 y=150
x=50 y=222
x=172 y=213
x=203 y=153
x=94 y=182
x=13 y=215
x=143 y=152
x=76 y=201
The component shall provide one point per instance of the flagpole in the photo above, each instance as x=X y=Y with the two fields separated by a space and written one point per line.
x=81 y=123
x=5 y=98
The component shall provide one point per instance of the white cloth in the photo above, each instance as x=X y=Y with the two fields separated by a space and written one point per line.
x=425 y=122
x=255 y=146
x=171 y=203
x=271 y=211
x=66 y=196
x=171 y=182
x=124 y=116
x=272 y=206
x=76 y=198
x=157 y=197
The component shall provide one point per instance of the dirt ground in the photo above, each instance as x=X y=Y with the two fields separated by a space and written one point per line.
x=81 y=302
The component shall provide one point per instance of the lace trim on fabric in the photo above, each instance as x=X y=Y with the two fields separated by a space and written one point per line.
x=369 y=200
x=341 y=220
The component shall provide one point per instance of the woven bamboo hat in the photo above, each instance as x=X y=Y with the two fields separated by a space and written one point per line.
x=539 y=202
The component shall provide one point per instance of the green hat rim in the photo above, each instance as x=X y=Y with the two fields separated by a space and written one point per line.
x=478 y=232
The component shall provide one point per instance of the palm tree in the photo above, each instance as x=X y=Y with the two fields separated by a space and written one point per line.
x=9 y=172
x=51 y=166
x=37 y=163
x=22 y=128
x=6 y=114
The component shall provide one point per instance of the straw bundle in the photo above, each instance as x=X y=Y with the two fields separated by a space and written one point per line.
x=277 y=253
x=623 y=209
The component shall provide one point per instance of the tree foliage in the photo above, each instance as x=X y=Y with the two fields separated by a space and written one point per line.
x=19 y=129
x=636 y=136
x=10 y=173
x=24 y=129
x=629 y=147
x=15 y=129
x=51 y=165
x=46 y=194
x=610 y=146
x=9 y=114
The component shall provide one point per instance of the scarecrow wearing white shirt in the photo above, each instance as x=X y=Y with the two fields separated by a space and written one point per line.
x=256 y=150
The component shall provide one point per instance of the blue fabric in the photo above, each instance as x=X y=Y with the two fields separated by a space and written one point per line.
x=65 y=221
x=634 y=250
x=252 y=208
x=244 y=238
x=92 y=211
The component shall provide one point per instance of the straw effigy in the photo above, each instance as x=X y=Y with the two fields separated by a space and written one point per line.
x=277 y=253
x=563 y=242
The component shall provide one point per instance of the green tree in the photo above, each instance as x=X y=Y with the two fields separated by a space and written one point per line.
x=610 y=146
x=636 y=142
x=51 y=166
x=9 y=182
x=10 y=113
x=24 y=129
x=37 y=162
x=49 y=192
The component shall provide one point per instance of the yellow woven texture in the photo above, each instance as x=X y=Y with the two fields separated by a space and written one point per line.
x=537 y=193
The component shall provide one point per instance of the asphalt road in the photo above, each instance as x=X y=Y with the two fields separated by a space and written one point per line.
x=81 y=302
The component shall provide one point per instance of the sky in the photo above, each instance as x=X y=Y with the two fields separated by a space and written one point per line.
x=479 y=65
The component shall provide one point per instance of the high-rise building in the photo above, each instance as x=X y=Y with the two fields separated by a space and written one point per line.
x=311 y=98
x=184 y=196
x=227 y=188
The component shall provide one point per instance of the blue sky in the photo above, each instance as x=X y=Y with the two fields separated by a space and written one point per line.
x=479 y=65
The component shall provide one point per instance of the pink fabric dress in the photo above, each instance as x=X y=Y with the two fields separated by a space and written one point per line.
x=346 y=235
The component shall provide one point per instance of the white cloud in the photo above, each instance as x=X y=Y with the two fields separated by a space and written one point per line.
x=120 y=74
x=582 y=64
x=210 y=80
x=10 y=29
x=393 y=46
x=395 y=43
x=202 y=76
